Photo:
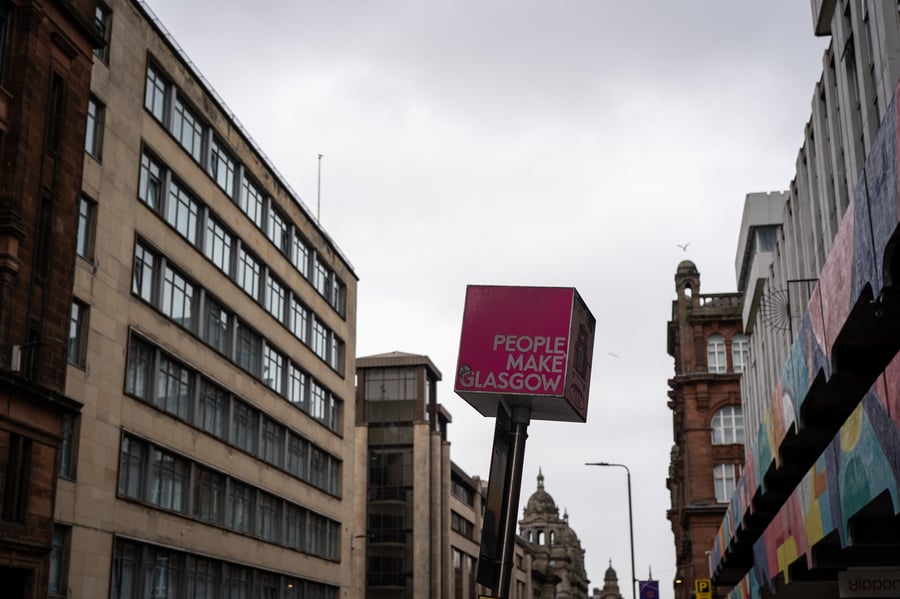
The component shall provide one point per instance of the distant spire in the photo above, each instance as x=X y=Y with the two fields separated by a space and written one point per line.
x=540 y=479
x=649 y=573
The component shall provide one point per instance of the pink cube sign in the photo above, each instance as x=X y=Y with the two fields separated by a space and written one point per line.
x=526 y=346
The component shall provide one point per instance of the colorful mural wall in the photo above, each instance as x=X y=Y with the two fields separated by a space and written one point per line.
x=863 y=460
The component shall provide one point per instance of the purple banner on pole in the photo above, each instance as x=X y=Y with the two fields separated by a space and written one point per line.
x=649 y=589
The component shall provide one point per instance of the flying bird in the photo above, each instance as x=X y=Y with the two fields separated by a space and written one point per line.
x=683 y=246
x=616 y=356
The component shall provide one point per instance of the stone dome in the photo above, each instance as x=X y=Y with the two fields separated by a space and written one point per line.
x=610 y=573
x=540 y=501
x=686 y=267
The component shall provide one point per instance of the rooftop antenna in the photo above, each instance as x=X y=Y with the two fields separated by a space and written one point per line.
x=319 y=191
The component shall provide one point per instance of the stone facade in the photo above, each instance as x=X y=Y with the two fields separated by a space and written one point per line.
x=558 y=559
x=45 y=65
x=705 y=339
x=214 y=452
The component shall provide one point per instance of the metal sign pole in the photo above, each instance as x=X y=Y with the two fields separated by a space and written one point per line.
x=520 y=416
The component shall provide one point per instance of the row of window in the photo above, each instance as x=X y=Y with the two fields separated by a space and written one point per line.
x=153 y=475
x=462 y=491
x=142 y=571
x=461 y=525
x=160 y=380
x=163 y=101
x=159 y=283
x=715 y=353
x=165 y=195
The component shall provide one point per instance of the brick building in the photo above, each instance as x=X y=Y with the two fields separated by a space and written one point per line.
x=45 y=66
x=710 y=350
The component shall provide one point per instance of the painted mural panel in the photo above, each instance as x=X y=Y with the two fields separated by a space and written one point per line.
x=854 y=264
x=860 y=464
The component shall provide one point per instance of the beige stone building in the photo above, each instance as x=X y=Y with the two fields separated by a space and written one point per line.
x=418 y=518
x=216 y=326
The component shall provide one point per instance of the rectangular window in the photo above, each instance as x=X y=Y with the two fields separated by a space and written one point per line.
x=218 y=245
x=178 y=298
x=297 y=388
x=151 y=182
x=173 y=387
x=298 y=457
x=253 y=202
x=299 y=320
x=338 y=295
x=203 y=577
x=319 y=339
x=272 y=450
x=273 y=369
x=249 y=350
x=188 y=129
x=278 y=232
x=131 y=468
x=216 y=328
x=300 y=255
x=249 y=273
x=317 y=401
x=183 y=212
x=78 y=333
x=144 y=273
x=276 y=296
x=125 y=570
x=58 y=559
x=294 y=526
x=244 y=427
x=168 y=480
x=240 y=516
x=209 y=496
x=165 y=575
x=93 y=135
x=213 y=409
x=84 y=236
x=320 y=280
x=336 y=353
x=156 y=94
x=66 y=461
x=222 y=168
x=103 y=25
x=269 y=517
x=724 y=477
x=140 y=369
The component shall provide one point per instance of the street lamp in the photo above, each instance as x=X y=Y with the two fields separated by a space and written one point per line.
x=630 y=518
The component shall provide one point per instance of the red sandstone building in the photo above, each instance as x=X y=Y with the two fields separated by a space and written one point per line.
x=45 y=67
x=710 y=350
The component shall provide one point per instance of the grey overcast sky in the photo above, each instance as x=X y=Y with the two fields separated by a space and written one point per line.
x=528 y=142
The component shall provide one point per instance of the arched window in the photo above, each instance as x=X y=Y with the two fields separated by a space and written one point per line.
x=715 y=353
x=552 y=537
x=725 y=477
x=728 y=426
x=740 y=352
x=540 y=537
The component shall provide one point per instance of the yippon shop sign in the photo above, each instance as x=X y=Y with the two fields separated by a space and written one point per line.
x=526 y=346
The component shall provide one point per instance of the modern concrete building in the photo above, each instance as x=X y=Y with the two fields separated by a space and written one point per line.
x=816 y=508
x=417 y=527
x=710 y=351
x=45 y=68
x=214 y=322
